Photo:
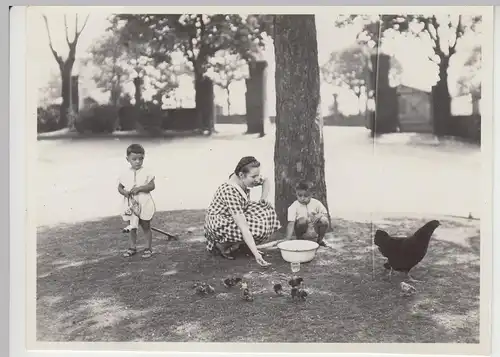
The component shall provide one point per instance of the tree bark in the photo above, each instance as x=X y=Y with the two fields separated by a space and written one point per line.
x=299 y=151
x=441 y=100
x=335 y=107
x=75 y=95
x=65 y=93
x=204 y=99
x=256 y=97
x=228 y=93
x=138 y=91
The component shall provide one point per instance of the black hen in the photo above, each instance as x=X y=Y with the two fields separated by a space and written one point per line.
x=404 y=253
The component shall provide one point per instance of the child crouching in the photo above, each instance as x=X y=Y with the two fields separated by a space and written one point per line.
x=307 y=216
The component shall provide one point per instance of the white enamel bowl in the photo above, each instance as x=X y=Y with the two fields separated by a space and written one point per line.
x=298 y=251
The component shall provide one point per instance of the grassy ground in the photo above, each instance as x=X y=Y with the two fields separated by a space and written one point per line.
x=87 y=292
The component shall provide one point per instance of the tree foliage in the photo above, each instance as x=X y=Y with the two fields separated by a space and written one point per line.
x=199 y=37
x=350 y=68
x=442 y=32
x=470 y=81
x=122 y=59
x=226 y=69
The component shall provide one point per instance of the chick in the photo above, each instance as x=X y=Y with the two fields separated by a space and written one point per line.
x=230 y=282
x=203 y=288
x=199 y=288
x=407 y=289
x=209 y=288
x=295 y=281
x=302 y=294
x=278 y=289
x=245 y=292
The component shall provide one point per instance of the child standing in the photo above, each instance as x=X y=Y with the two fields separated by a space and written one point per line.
x=135 y=185
x=307 y=214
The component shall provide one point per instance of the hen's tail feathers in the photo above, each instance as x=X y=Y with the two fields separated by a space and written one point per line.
x=380 y=236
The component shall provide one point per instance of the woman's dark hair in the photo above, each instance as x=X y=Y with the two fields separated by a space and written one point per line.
x=135 y=149
x=245 y=164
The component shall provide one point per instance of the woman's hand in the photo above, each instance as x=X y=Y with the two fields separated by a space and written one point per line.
x=260 y=260
x=264 y=203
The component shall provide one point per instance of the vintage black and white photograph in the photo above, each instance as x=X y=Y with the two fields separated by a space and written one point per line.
x=260 y=177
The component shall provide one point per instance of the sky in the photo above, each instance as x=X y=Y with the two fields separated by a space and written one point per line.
x=412 y=53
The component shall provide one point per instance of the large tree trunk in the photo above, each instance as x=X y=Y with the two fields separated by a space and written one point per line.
x=335 y=107
x=65 y=94
x=138 y=91
x=441 y=100
x=204 y=99
x=298 y=152
x=256 y=97
x=75 y=95
x=115 y=96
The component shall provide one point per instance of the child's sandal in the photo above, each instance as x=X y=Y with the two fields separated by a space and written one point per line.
x=130 y=252
x=147 y=253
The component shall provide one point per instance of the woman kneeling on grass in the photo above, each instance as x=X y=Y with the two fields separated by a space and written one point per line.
x=232 y=220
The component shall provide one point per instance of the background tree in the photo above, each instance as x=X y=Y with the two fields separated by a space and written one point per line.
x=350 y=68
x=226 y=69
x=51 y=91
x=442 y=33
x=199 y=37
x=66 y=66
x=107 y=55
x=470 y=81
x=299 y=151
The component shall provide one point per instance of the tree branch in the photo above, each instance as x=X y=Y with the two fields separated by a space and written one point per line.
x=432 y=59
x=78 y=33
x=66 y=30
x=437 y=48
x=56 y=55
x=458 y=34
x=76 y=26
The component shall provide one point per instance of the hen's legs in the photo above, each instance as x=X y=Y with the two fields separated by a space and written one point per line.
x=410 y=278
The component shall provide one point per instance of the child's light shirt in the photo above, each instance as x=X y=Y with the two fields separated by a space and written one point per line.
x=298 y=210
x=130 y=178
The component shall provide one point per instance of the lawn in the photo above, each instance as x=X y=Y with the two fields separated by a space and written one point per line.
x=87 y=292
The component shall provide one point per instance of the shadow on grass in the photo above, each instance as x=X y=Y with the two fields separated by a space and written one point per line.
x=87 y=292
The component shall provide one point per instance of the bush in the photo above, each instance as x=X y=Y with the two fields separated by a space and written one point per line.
x=97 y=119
x=127 y=117
x=48 y=118
x=151 y=118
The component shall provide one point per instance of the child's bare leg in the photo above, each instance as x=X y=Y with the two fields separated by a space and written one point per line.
x=321 y=227
x=301 y=226
x=132 y=243
x=146 y=228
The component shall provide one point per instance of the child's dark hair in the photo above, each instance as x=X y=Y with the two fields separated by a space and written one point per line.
x=135 y=149
x=304 y=185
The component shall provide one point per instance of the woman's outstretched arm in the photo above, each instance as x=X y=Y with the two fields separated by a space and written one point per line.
x=242 y=224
